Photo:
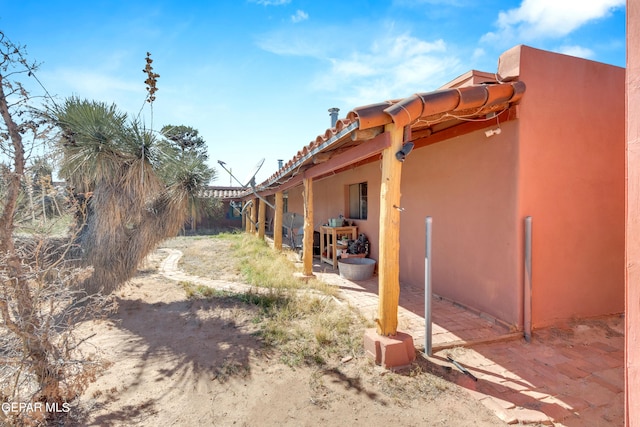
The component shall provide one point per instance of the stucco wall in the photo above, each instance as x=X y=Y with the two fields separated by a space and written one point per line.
x=572 y=183
x=468 y=186
x=330 y=200
x=561 y=161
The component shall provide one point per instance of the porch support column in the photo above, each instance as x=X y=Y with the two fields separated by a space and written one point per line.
x=254 y=215
x=389 y=240
x=277 y=222
x=246 y=215
x=386 y=345
x=307 y=242
x=262 y=216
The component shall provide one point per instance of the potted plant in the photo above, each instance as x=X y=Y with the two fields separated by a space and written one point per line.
x=358 y=248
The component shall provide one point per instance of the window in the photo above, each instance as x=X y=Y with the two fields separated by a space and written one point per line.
x=235 y=209
x=358 y=201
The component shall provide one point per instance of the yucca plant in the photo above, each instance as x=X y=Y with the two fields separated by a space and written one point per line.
x=141 y=188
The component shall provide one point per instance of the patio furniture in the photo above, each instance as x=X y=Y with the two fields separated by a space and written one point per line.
x=329 y=242
x=293 y=226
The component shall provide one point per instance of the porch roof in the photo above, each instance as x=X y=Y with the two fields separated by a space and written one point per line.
x=223 y=193
x=474 y=97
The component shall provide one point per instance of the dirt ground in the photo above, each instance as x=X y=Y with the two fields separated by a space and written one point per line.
x=180 y=362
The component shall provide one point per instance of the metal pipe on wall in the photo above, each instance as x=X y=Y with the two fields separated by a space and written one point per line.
x=528 y=307
x=427 y=289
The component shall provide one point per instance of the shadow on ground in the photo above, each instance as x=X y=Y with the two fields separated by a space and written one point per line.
x=184 y=343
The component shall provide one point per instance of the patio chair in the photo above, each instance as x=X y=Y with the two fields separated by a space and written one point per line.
x=293 y=224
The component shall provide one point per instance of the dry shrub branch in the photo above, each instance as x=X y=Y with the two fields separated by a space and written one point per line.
x=41 y=367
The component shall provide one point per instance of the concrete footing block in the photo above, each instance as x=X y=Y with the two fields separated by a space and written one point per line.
x=392 y=352
x=303 y=277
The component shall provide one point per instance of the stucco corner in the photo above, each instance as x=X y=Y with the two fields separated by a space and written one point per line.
x=509 y=64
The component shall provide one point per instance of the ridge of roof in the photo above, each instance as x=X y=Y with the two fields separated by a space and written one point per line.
x=222 y=192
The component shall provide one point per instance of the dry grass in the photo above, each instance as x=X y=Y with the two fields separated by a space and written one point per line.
x=249 y=260
x=307 y=327
x=199 y=260
x=56 y=226
x=313 y=329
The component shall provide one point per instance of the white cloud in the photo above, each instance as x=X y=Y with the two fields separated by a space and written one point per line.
x=364 y=69
x=579 y=51
x=352 y=67
x=301 y=43
x=537 y=19
x=393 y=67
x=299 y=16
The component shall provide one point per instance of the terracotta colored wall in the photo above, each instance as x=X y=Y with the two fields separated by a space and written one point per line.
x=295 y=201
x=561 y=162
x=572 y=183
x=632 y=317
x=330 y=200
x=468 y=186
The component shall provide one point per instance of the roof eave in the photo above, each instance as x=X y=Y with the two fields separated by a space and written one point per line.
x=292 y=169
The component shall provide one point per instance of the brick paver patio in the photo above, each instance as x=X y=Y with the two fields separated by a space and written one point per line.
x=568 y=376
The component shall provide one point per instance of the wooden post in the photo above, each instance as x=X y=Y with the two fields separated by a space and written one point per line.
x=254 y=215
x=277 y=221
x=307 y=242
x=389 y=240
x=262 y=216
x=245 y=218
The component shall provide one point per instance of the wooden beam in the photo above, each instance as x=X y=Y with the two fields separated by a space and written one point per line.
x=286 y=184
x=277 y=221
x=321 y=158
x=307 y=242
x=246 y=217
x=366 y=134
x=389 y=240
x=262 y=216
x=244 y=221
x=254 y=214
x=358 y=153
x=430 y=136
x=419 y=134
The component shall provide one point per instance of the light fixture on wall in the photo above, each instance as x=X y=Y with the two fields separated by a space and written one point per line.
x=489 y=133
x=404 y=152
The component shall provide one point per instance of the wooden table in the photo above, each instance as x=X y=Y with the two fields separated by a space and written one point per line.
x=332 y=234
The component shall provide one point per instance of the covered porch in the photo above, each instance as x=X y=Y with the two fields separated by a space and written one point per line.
x=453 y=325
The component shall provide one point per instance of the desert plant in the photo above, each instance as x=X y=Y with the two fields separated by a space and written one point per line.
x=140 y=190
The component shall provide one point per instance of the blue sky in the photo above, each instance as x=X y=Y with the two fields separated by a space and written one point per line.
x=256 y=77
